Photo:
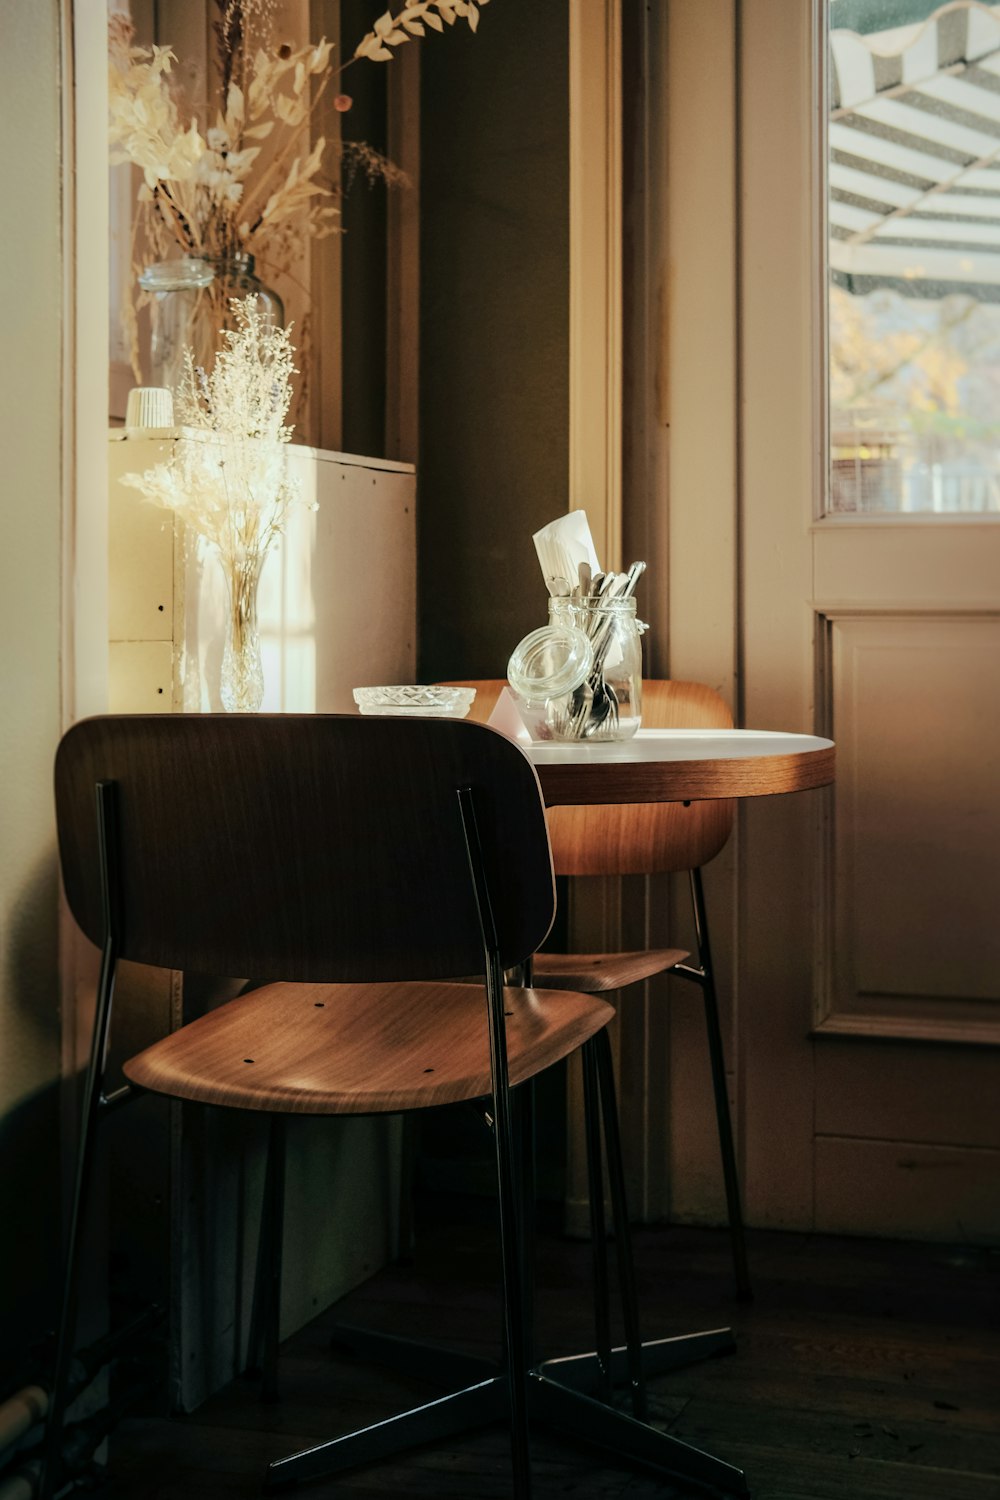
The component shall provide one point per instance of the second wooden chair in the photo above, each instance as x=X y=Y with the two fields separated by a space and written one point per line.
x=651 y=839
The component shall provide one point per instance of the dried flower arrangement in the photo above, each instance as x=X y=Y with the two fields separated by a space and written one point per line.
x=244 y=177
x=227 y=476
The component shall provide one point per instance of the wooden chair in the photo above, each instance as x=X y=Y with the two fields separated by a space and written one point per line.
x=647 y=839
x=345 y=855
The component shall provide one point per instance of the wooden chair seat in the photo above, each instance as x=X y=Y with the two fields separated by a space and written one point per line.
x=360 y=1049
x=594 y=972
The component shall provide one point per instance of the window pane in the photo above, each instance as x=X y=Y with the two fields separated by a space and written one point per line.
x=914 y=226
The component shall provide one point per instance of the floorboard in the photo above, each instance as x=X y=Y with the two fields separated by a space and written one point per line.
x=864 y=1369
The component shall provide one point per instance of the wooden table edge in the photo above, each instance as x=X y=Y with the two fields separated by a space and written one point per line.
x=586 y=782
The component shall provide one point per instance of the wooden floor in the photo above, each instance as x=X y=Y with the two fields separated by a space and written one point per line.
x=864 y=1369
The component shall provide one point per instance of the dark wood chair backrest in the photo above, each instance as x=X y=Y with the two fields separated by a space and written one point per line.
x=639 y=838
x=304 y=847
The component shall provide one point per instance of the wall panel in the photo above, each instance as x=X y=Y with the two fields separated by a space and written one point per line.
x=917 y=854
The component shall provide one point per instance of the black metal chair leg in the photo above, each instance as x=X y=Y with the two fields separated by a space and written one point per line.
x=524 y=1104
x=92 y=1109
x=52 y=1451
x=408 y=1153
x=722 y=1115
x=598 y=1233
x=507 y=1195
x=623 y=1232
x=262 y=1345
x=514 y=1307
x=258 y=1310
x=276 y=1213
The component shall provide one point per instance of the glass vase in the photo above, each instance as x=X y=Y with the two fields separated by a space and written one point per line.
x=242 y=688
x=190 y=300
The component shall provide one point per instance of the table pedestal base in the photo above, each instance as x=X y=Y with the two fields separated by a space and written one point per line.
x=558 y=1398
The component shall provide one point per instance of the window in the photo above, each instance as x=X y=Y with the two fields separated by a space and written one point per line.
x=914 y=256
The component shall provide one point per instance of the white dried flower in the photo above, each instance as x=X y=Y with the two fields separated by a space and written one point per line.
x=227 y=476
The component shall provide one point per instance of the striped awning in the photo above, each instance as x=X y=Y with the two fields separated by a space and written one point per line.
x=914 y=155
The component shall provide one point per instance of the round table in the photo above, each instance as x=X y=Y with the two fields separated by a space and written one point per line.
x=678 y=765
x=682 y=765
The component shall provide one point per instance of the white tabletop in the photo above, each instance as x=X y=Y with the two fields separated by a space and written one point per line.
x=674 y=765
x=677 y=744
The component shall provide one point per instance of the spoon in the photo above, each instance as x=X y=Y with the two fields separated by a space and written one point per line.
x=603 y=705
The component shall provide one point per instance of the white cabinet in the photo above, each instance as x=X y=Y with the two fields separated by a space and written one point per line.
x=337 y=597
x=337 y=607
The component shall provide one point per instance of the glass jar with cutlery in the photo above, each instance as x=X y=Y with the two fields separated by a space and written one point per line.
x=580 y=677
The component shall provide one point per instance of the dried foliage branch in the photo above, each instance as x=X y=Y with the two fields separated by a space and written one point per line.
x=358 y=159
x=392 y=31
x=247 y=174
x=208 y=189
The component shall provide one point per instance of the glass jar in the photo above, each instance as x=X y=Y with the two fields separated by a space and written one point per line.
x=190 y=300
x=580 y=676
x=178 y=297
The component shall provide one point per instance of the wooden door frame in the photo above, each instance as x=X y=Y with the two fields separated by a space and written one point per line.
x=702 y=417
x=722 y=404
x=85 y=349
x=595 y=271
x=595 y=407
x=84 y=543
x=782 y=383
x=674 y=275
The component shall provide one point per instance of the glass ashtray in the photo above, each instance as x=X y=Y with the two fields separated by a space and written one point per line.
x=436 y=699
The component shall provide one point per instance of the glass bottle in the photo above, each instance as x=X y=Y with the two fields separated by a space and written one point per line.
x=191 y=308
x=236 y=276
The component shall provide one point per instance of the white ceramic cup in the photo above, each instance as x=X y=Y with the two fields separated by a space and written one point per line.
x=149 y=406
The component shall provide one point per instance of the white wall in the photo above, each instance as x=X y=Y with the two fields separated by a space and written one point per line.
x=31 y=272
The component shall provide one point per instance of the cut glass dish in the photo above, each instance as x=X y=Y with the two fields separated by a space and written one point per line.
x=441 y=702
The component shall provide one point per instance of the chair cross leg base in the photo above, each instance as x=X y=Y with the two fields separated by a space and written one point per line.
x=409 y=1357
x=557 y=1398
x=582 y=1372
x=462 y=1411
x=636 y=1444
